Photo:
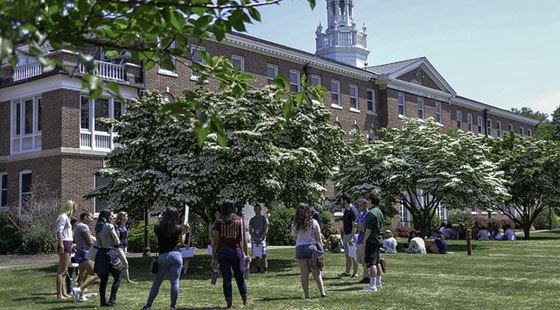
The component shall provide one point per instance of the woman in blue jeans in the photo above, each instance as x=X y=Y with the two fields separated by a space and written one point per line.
x=229 y=250
x=171 y=236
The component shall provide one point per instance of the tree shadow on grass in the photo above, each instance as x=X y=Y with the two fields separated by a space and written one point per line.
x=357 y=288
x=344 y=283
x=277 y=299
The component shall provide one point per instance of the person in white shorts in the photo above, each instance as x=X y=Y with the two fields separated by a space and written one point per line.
x=258 y=229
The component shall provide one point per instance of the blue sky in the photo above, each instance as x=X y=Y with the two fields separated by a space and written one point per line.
x=502 y=52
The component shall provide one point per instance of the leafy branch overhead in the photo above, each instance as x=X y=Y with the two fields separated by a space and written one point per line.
x=151 y=32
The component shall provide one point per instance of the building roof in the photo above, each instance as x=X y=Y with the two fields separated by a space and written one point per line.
x=393 y=66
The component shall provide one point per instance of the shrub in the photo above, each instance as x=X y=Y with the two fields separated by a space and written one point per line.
x=39 y=240
x=542 y=220
x=461 y=218
x=325 y=217
x=280 y=225
x=136 y=238
x=11 y=241
x=402 y=231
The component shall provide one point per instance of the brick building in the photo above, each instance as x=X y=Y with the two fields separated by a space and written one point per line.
x=49 y=132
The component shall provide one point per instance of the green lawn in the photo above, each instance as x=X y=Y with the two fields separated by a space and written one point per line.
x=499 y=275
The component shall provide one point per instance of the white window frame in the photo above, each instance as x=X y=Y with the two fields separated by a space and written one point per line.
x=401 y=104
x=529 y=132
x=269 y=80
x=2 y=190
x=489 y=129
x=510 y=127
x=439 y=119
x=315 y=80
x=420 y=102
x=479 y=124
x=17 y=141
x=499 y=129
x=337 y=93
x=20 y=193
x=241 y=60
x=165 y=71
x=372 y=109
x=297 y=83
x=469 y=122
x=474 y=210
x=356 y=107
x=195 y=74
x=521 y=131
x=459 y=115
x=92 y=138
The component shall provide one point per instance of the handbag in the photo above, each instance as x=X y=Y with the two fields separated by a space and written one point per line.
x=113 y=258
x=154 y=266
x=244 y=263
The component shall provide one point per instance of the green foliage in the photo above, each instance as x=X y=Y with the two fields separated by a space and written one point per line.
x=280 y=225
x=464 y=218
x=543 y=220
x=136 y=238
x=11 y=241
x=39 y=240
x=325 y=217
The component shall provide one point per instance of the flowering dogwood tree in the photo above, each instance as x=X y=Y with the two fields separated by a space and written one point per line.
x=158 y=161
x=422 y=169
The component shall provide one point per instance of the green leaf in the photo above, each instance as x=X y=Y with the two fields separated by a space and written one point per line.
x=201 y=134
x=167 y=64
x=114 y=87
x=288 y=108
x=177 y=20
x=281 y=81
x=112 y=54
x=299 y=98
x=6 y=47
x=148 y=64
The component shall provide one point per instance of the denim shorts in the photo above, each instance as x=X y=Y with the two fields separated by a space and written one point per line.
x=304 y=251
x=81 y=256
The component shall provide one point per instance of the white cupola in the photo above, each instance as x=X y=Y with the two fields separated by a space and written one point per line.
x=341 y=41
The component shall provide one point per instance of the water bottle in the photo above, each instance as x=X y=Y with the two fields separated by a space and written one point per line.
x=246 y=275
x=214 y=277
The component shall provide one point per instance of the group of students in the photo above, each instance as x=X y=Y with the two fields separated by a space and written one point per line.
x=493 y=232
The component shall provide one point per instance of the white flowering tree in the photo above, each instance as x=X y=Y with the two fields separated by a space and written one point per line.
x=532 y=170
x=421 y=169
x=158 y=161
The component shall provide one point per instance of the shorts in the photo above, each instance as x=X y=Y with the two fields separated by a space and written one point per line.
x=67 y=247
x=372 y=254
x=304 y=251
x=263 y=244
x=91 y=254
x=361 y=253
x=345 y=241
x=81 y=256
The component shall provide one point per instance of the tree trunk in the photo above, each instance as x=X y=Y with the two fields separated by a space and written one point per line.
x=526 y=229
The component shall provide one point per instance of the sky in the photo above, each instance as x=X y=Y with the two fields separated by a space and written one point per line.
x=505 y=53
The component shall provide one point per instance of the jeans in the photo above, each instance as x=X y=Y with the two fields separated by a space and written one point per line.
x=228 y=259
x=172 y=261
x=117 y=276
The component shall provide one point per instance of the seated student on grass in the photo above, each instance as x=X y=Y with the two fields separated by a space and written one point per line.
x=483 y=234
x=440 y=245
x=335 y=241
x=416 y=245
x=499 y=234
x=389 y=243
x=509 y=234
x=448 y=231
x=475 y=230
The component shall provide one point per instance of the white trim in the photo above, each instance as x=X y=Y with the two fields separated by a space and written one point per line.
x=166 y=72
x=336 y=104
x=490 y=132
x=479 y=124
x=21 y=173
x=356 y=96
x=372 y=111
x=415 y=89
x=439 y=117
x=510 y=127
x=529 y=132
x=53 y=152
x=298 y=81
x=273 y=67
x=427 y=67
x=240 y=59
x=499 y=129
x=195 y=75
x=399 y=104
x=470 y=125
x=35 y=136
x=459 y=119
x=420 y=107
x=318 y=77
x=521 y=131
x=471 y=104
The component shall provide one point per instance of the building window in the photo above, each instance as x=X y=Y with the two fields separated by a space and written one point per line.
x=354 y=97
x=294 y=81
x=529 y=132
x=168 y=98
x=271 y=73
x=371 y=101
x=522 y=131
x=460 y=120
x=353 y=130
x=93 y=133
x=171 y=58
x=474 y=210
x=3 y=189
x=421 y=108
x=438 y=113
x=469 y=122
x=401 y=103
x=25 y=184
x=101 y=111
x=238 y=61
x=479 y=124
x=489 y=127
x=499 y=129
x=315 y=80
x=510 y=127
x=26 y=125
x=195 y=74
x=335 y=93
x=100 y=204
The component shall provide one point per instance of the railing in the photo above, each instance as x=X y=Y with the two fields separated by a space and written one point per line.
x=26 y=143
x=341 y=39
x=100 y=141
x=107 y=70
x=26 y=71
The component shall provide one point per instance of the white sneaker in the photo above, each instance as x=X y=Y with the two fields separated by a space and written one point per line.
x=379 y=286
x=76 y=293
x=370 y=288
x=82 y=299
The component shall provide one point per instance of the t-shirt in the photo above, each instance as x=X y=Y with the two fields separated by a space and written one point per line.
x=510 y=234
x=390 y=245
x=81 y=242
x=65 y=228
x=122 y=233
x=258 y=224
x=305 y=236
x=350 y=216
x=316 y=216
x=483 y=235
x=362 y=221
x=448 y=233
x=230 y=233
x=374 y=221
x=104 y=239
x=441 y=245
x=167 y=242
x=416 y=246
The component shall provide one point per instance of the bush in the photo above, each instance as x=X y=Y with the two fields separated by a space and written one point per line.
x=136 y=238
x=39 y=240
x=280 y=225
x=542 y=220
x=461 y=218
x=325 y=217
x=11 y=241
x=402 y=231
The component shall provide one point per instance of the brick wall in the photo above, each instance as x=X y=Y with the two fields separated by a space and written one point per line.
x=61 y=119
x=78 y=179
x=426 y=81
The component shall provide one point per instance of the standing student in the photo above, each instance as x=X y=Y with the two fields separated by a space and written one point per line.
x=306 y=232
x=84 y=242
x=170 y=236
x=65 y=240
x=217 y=215
x=360 y=227
x=73 y=265
x=107 y=241
x=229 y=250
x=373 y=240
x=122 y=248
x=258 y=229
x=350 y=216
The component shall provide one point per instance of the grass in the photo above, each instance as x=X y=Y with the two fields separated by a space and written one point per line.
x=499 y=275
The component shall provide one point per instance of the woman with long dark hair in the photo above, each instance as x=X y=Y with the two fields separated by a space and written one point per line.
x=306 y=233
x=170 y=235
x=106 y=242
x=65 y=238
x=228 y=251
x=122 y=248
